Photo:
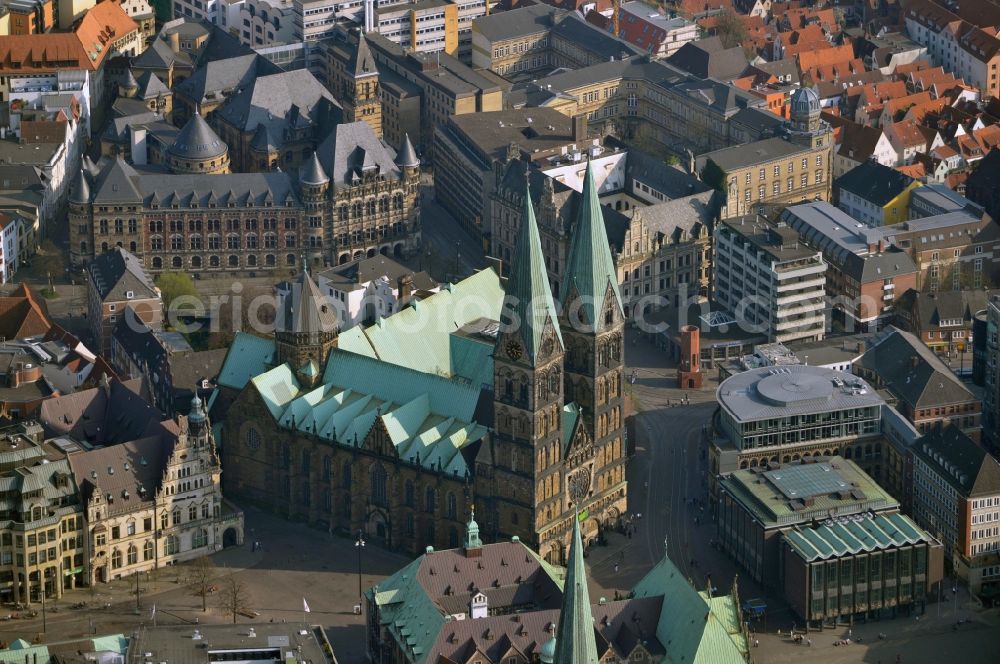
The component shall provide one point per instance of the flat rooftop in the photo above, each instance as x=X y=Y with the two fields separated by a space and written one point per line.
x=770 y=392
x=290 y=643
x=804 y=491
x=780 y=242
x=830 y=229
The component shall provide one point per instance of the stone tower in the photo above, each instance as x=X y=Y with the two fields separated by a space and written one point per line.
x=305 y=328
x=592 y=322
x=356 y=86
x=198 y=150
x=314 y=184
x=805 y=124
x=80 y=248
x=526 y=464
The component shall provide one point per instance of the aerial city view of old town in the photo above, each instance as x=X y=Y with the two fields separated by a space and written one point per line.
x=500 y=331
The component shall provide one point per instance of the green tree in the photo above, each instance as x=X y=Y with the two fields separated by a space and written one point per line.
x=173 y=285
x=730 y=29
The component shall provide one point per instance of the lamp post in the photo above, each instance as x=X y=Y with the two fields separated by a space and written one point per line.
x=359 y=545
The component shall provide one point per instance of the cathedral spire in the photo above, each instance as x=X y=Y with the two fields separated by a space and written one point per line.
x=528 y=305
x=575 y=643
x=590 y=270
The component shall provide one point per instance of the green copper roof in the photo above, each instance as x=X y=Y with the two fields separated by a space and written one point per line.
x=420 y=337
x=277 y=388
x=575 y=641
x=248 y=356
x=407 y=612
x=694 y=627
x=528 y=306
x=570 y=416
x=840 y=538
x=590 y=270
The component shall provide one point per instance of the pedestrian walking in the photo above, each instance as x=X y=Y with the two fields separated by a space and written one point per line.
x=616 y=568
x=756 y=643
x=809 y=642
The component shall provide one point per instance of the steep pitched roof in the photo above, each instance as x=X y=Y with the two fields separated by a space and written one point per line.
x=306 y=309
x=575 y=642
x=590 y=269
x=105 y=415
x=912 y=371
x=962 y=463
x=23 y=315
x=115 y=273
x=151 y=86
x=874 y=182
x=363 y=64
x=129 y=472
x=528 y=306
x=197 y=140
x=351 y=150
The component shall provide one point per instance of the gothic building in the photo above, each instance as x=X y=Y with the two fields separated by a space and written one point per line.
x=390 y=429
x=354 y=80
x=354 y=197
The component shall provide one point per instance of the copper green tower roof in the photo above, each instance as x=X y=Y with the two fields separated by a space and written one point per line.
x=575 y=641
x=528 y=304
x=589 y=267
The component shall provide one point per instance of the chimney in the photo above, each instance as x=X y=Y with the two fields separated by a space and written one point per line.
x=914 y=361
x=881 y=244
x=404 y=286
x=579 y=128
x=861 y=347
x=175 y=42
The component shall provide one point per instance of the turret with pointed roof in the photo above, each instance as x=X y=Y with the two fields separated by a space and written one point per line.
x=312 y=173
x=306 y=324
x=80 y=189
x=407 y=156
x=355 y=80
x=575 y=640
x=198 y=149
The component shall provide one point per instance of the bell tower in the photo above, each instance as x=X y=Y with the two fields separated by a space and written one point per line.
x=528 y=398
x=305 y=327
x=593 y=325
x=356 y=84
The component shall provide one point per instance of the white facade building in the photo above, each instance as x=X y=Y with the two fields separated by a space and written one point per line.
x=769 y=281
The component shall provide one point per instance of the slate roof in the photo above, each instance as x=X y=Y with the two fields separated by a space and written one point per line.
x=120 y=470
x=312 y=172
x=197 y=141
x=519 y=22
x=759 y=152
x=305 y=310
x=873 y=182
x=407 y=157
x=708 y=58
x=120 y=183
x=362 y=63
x=101 y=415
x=960 y=461
x=217 y=79
x=929 y=309
x=114 y=273
x=281 y=100
x=912 y=372
x=353 y=149
x=151 y=86
x=365 y=270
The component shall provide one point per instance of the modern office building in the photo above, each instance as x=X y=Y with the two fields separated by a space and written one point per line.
x=769 y=279
x=777 y=415
x=866 y=566
x=757 y=506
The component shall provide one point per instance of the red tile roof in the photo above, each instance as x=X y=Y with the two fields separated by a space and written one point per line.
x=84 y=48
x=22 y=314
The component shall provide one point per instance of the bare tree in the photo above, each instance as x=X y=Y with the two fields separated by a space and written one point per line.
x=234 y=597
x=200 y=579
x=730 y=29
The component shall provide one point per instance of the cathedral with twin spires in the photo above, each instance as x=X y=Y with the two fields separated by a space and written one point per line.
x=487 y=395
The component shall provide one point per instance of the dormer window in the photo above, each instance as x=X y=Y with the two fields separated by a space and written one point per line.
x=129 y=295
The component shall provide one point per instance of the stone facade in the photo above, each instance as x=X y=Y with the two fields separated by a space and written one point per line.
x=247 y=222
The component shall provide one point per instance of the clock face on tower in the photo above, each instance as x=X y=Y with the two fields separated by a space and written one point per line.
x=547 y=346
x=513 y=349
